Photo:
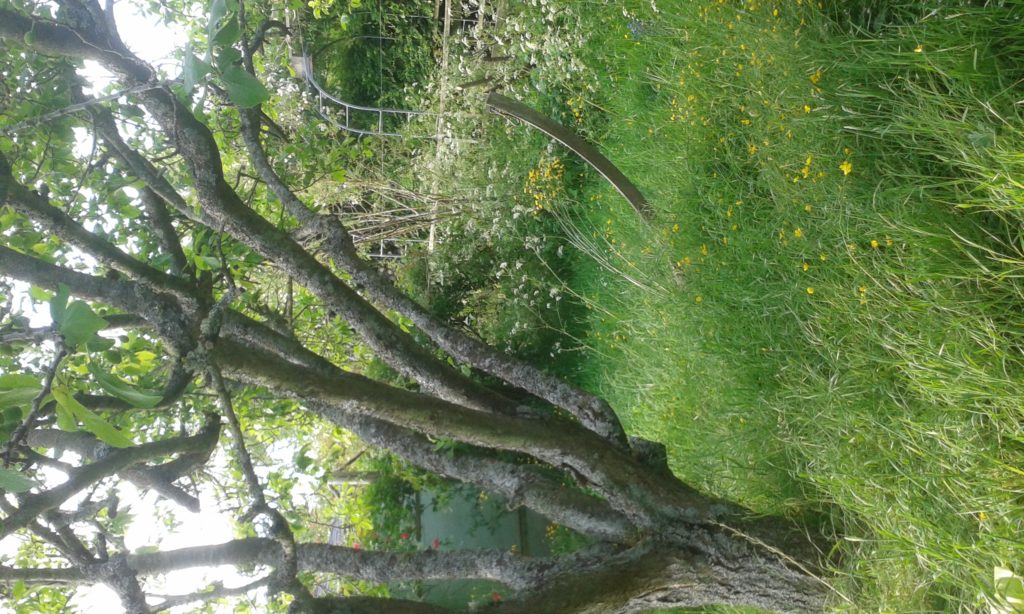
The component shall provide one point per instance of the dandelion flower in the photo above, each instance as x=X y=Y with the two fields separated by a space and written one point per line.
x=874 y=244
x=806 y=267
x=846 y=167
x=810 y=290
x=798 y=233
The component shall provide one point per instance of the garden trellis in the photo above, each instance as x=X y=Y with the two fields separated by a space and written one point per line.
x=343 y=113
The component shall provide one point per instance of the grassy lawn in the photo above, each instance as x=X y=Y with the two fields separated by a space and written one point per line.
x=825 y=314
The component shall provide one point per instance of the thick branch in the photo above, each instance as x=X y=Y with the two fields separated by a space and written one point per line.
x=519 y=484
x=628 y=485
x=166 y=316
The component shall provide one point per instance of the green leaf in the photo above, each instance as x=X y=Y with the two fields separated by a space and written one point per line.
x=12 y=481
x=229 y=33
x=18 y=396
x=18 y=380
x=244 y=89
x=65 y=418
x=123 y=390
x=59 y=303
x=99 y=344
x=226 y=58
x=194 y=71
x=218 y=9
x=207 y=263
x=80 y=324
x=12 y=416
x=40 y=294
x=90 y=421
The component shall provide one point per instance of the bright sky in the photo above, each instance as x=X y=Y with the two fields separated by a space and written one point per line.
x=155 y=43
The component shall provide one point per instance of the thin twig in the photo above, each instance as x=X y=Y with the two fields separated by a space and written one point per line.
x=81 y=106
x=214 y=591
x=37 y=403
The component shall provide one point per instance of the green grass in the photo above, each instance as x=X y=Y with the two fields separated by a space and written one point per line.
x=825 y=314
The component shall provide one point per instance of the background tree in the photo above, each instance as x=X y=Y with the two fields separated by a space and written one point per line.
x=170 y=233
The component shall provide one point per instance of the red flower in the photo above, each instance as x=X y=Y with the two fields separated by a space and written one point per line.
x=357 y=546
x=404 y=536
x=436 y=544
x=495 y=597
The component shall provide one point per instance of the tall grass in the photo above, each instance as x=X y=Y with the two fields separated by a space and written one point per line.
x=825 y=315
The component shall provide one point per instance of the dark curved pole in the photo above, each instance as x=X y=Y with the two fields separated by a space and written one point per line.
x=503 y=105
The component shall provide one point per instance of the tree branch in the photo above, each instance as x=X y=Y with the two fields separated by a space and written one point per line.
x=39 y=209
x=160 y=218
x=117 y=460
x=628 y=485
x=165 y=315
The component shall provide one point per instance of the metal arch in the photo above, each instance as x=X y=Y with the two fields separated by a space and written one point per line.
x=349 y=108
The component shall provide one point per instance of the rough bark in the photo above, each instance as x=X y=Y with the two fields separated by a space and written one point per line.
x=668 y=576
x=630 y=487
x=519 y=484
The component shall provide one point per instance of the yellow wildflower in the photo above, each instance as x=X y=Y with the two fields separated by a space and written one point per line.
x=798 y=233
x=810 y=290
x=846 y=167
x=874 y=244
x=806 y=267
